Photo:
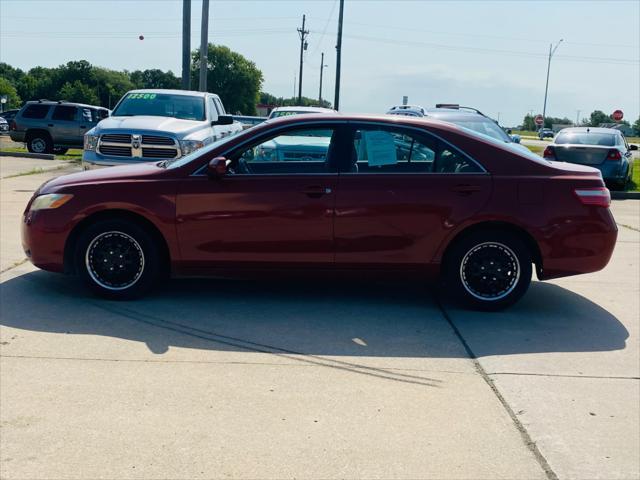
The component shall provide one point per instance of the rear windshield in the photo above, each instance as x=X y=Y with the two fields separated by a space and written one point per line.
x=480 y=125
x=586 y=138
x=161 y=105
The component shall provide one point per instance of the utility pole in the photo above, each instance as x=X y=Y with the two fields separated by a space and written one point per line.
x=322 y=66
x=552 y=50
x=303 y=46
x=186 y=44
x=578 y=117
x=204 y=45
x=336 y=101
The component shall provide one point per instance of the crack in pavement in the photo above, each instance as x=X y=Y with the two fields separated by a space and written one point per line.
x=528 y=441
x=561 y=375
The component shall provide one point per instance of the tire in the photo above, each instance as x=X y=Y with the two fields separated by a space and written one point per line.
x=39 y=142
x=488 y=270
x=60 y=150
x=103 y=245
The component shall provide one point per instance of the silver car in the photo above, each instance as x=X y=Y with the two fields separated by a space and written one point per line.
x=603 y=148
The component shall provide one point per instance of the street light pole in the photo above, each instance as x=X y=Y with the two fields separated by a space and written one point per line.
x=336 y=101
x=552 y=50
x=322 y=66
x=186 y=44
x=204 y=45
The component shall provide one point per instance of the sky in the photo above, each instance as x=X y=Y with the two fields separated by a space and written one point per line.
x=491 y=55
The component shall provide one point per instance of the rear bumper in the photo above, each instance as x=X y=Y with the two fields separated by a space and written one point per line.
x=16 y=136
x=577 y=248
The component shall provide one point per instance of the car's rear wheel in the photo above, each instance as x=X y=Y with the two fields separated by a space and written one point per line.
x=488 y=270
x=39 y=142
x=118 y=259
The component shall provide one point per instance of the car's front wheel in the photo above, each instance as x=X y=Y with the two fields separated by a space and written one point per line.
x=489 y=270
x=39 y=142
x=118 y=259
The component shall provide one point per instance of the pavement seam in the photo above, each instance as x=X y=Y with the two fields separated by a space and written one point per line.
x=16 y=264
x=602 y=377
x=528 y=441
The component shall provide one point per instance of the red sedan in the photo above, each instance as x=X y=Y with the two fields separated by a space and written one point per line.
x=330 y=192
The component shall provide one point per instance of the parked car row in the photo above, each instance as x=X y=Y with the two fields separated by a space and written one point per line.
x=145 y=125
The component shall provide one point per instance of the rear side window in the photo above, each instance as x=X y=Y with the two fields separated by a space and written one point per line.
x=64 y=112
x=395 y=150
x=35 y=111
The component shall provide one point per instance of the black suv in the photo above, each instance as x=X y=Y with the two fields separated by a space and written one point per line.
x=54 y=127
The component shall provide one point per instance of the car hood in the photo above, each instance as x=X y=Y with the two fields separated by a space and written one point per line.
x=150 y=122
x=135 y=171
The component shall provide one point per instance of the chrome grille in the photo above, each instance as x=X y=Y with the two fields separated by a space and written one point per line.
x=156 y=140
x=159 y=152
x=115 y=150
x=138 y=146
x=116 y=138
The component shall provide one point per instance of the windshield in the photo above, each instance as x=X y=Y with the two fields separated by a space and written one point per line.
x=586 y=138
x=286 y=113
x=179 y=162
x=480 y=125
x=161 y=105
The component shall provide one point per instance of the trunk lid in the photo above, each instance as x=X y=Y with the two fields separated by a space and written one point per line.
x=581 y=154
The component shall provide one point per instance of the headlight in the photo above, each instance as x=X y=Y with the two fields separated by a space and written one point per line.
x=91 y=142
x=50 y=200
x=188 y=146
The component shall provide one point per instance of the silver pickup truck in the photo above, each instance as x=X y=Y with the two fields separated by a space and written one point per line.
x=149 y=125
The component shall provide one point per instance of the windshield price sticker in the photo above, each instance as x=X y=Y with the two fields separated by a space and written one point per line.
x=142 y=96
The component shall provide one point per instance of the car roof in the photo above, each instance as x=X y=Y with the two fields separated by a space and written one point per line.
x=611 y=131
x=189 y=93
x=62 y=102
x=304 y=109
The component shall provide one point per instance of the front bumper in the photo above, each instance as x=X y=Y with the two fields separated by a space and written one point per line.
x=44 y=235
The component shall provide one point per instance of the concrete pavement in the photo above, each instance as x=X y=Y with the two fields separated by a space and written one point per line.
x=238 y=379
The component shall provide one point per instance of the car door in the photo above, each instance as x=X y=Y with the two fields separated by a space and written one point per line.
x=88 y=118
x=401 y=192
x=63 y=125
x=274 y=208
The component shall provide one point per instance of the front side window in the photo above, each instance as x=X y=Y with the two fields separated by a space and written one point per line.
x=183 y=107
x=65 y=113
x=300 y=151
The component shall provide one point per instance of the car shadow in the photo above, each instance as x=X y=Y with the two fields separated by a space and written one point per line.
x=321 y=318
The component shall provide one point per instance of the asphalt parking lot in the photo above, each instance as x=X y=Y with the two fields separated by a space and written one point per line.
x=248 y=379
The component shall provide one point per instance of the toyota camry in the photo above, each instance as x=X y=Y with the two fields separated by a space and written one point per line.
x=344 y=193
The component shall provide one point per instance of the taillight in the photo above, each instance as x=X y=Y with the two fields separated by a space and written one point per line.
x=614 y=155
x=599 y=196
x=549 y=152
x=13 y=125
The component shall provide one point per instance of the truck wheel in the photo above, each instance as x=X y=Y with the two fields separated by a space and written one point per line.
x=39 y=142
x=488 y=270
x=118 y=259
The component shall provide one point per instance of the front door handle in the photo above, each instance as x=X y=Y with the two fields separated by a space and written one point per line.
x=464 y=189
x=316 y=191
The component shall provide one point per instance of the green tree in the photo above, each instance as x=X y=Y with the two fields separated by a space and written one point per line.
x=111 y=85
x=154 y=78
x=78 y=92
x=528 y=123
x=13 y=99
x=233 y=77
x=636 y=126
x=268 y=99
x=597 y=117
x=550 y=121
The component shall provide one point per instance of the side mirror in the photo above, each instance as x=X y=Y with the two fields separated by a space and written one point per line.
x=633 y=147
x=223 y=120
x=217 y=167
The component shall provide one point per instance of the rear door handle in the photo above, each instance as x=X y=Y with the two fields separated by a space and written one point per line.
x=316 y=191
x=51 y=125
x=465 y=189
